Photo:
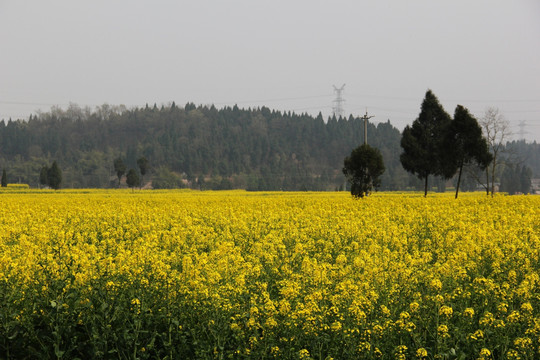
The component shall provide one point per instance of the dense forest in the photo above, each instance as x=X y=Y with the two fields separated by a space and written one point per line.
x=205 y=148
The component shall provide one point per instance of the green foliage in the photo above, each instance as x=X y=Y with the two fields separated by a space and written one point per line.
x=132 y=178
x=142 y=163
x=525 y=180
x=166 y=179
x=516 y=179
x=422 y=143
x=119 y=169
x=44 y=176
x=464 y=143
x=528 y=153
x=54 y=176
x=4 y=178
x=256 y=148
x=51 y=176
x=467 y=145
x=259 y=149
x=363 y=170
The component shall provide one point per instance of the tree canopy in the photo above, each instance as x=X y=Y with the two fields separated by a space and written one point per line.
x=119 y=168
x=132 y=178
x=143 y=164
x=422 y=143
x=4 y=178
x=516 y=179
x=464 y=143
x=203 y=147
x=363 y=170
x=44 y=176
x=253 y=149
x=54 y=176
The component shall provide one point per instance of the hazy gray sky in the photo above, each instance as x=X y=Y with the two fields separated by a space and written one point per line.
x=284 y=54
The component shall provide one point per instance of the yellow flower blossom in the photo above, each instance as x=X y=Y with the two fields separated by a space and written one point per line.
x=523 y=343
x=436 y=284
x=442 y=331
x=364 y=346
x=513 y=317
x=485 y=353
x=513 y=354
x=468 y=312
x=336 y=326
x=477 y=335
x=413 y=307
x=527 y=308
x=446 y=311
x=304 y=354
x=400 y=352
x=421 y=353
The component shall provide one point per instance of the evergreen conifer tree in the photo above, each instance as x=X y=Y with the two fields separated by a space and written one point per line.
x=119 y=168
x=132 y=179
x=525 y=180
x=44 y=176
x=142 y=163
x=54 y=176
x=422 y=142
x=464 y=143
x=4 y=178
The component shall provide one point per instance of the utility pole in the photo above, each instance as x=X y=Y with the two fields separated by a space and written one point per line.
x=366 y=118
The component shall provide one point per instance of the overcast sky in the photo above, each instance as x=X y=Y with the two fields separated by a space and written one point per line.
x=284 y=54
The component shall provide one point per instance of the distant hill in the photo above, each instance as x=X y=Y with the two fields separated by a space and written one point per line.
x=198 y=146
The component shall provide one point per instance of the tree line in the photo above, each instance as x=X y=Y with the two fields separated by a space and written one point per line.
x=197 y=146
x=202 y=147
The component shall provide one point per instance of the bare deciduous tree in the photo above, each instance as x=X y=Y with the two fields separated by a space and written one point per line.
x=497 y=132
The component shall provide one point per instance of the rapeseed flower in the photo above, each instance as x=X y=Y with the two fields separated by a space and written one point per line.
x=273 y=270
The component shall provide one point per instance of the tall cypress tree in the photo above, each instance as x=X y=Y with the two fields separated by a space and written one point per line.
x=142 y=163
x=119 y=168
x=44 y=176
x=464 y=143
x=525 y=180
x=422 y=143
x=54 y=176
x=4 y=178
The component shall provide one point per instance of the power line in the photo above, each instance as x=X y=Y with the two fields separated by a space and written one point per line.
x=271 y=100
x=29 y=103
x=453 y=100
x=338 y=102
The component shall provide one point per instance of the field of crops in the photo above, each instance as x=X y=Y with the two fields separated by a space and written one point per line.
x=236 y=275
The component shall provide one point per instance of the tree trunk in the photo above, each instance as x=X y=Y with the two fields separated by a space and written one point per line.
x=492 y=180
x=459 y=180
x=487 y=180
x=425 y=186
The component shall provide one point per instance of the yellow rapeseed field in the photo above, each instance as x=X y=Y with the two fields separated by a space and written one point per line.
x=237 y=275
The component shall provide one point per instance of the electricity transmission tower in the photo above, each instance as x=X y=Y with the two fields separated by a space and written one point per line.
x=338 y=102
x=522 y=131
